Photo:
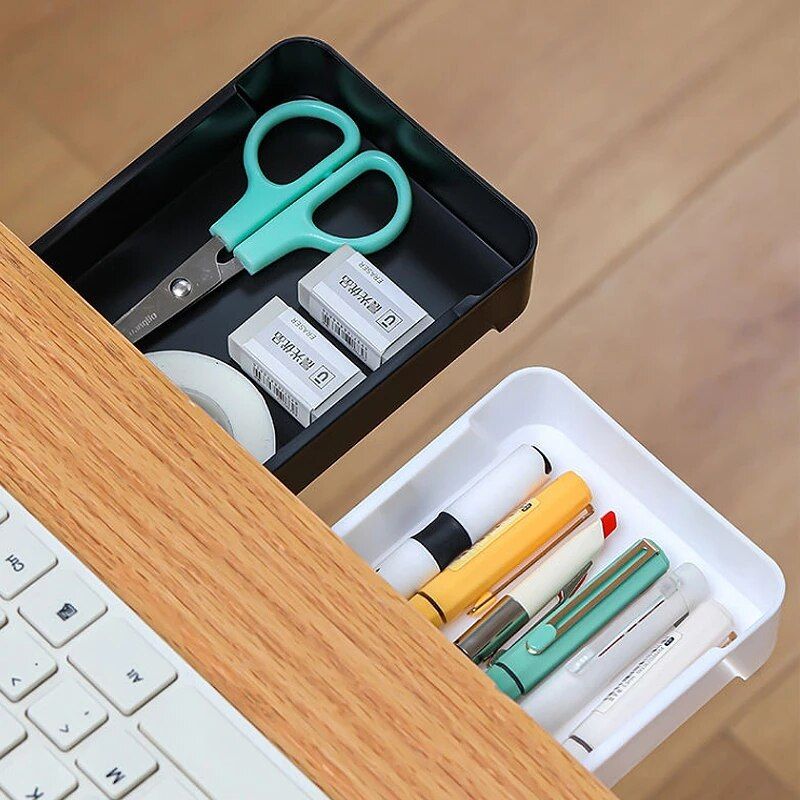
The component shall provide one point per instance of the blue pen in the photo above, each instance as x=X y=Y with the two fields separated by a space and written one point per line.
x=549 y=643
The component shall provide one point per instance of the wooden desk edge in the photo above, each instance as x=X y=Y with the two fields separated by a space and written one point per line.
x=243 y=580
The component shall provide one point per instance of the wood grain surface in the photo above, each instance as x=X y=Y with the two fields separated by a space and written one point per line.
x=244 y=581
x=655 y=145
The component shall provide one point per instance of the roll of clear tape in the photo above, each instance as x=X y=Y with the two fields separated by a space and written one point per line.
x=225 y=394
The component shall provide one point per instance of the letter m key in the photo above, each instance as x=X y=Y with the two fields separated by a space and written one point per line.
x=116 y=775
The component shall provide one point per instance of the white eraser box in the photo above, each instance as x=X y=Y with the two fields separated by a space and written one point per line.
x=293 y=361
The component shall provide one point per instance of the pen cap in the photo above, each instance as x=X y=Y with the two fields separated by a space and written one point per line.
x=650 y=672
x=549 y=643
x=408 y=567
x=500 y=490
x=558 y=698
x=690 y=582
x=507 y=546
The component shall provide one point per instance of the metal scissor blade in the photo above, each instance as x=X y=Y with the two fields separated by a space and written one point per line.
x=200 y=274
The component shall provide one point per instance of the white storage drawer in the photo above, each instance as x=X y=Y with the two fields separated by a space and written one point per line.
x=542 y=407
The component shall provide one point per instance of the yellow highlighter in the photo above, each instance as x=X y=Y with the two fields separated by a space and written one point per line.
x=512 y=541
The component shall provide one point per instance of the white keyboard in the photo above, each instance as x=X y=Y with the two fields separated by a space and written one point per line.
x=94 y=705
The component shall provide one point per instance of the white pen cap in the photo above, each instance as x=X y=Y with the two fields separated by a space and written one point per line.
x=408 y=567
x=500 y=490
x=706 y=626
x=466 y=520
x=543 y=581
x=567 y=690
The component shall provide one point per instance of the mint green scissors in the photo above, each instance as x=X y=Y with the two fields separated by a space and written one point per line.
x=271 y=220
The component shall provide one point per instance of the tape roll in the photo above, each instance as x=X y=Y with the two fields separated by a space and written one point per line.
x=225 y=394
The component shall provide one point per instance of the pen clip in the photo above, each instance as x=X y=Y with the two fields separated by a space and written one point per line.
x=564 y=593
x=561 y=596
x=487 y=597
x=565 y=615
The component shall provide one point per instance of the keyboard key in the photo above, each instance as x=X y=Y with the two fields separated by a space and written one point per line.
x=3 y=513
x=3 y=618
x=31 y=772
x=23 y=664
x=61 y=606
x=169 y=790
x=116 y=763
x=11 y=732
x=67 y=715
x=220 y=759
x=23 y=559
x=121 y=665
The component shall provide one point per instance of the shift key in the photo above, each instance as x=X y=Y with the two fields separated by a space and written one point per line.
x=210 y=751
x=121 y=664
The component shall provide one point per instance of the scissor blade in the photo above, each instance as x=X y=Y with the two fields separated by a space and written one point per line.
x=200 y=274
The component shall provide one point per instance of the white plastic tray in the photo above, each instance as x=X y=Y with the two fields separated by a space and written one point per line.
x=543 y=407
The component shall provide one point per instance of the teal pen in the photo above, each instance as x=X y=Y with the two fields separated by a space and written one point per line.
x=553 y=640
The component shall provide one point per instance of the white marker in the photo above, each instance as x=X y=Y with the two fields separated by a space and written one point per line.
x=643 y=622
x=466 y=520
x=567 y=563
x=709 y=625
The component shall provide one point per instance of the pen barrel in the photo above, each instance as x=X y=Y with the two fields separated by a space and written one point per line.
x=508 y=545
x=545 y=579
x=528 y=662
x=540 y=584
x=491 y=632
x=585 y=674
x=704 y=628
x=465 y=521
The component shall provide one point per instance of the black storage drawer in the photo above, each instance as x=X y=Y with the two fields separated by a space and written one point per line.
x=466 y=255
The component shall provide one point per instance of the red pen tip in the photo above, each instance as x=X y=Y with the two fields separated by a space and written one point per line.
x=609 y=520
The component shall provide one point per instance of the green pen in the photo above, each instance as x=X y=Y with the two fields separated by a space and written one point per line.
x=549 y=643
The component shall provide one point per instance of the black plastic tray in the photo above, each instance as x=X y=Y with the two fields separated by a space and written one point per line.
x=466 y=255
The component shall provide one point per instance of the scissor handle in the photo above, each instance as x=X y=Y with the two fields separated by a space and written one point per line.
x=263 y=198
x=294 y=228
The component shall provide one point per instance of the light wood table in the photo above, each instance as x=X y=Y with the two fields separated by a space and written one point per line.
x=243 y=580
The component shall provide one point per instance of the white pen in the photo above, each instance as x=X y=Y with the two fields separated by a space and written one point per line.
x=566 y=564
x=709 y=625
x=571 y=687
x=466 y=520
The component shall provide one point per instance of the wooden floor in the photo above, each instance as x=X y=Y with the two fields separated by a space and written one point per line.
x=655 y=145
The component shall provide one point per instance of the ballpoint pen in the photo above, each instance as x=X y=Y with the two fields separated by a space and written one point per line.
x=567 y=564
x=466 y=520
x=555 y=638
x=510 y=543
x=709 y=625
x=564 y=693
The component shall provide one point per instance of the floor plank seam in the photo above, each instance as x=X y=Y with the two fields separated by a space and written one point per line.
x=361 y=49
x=616 y=263
x=652 y=117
